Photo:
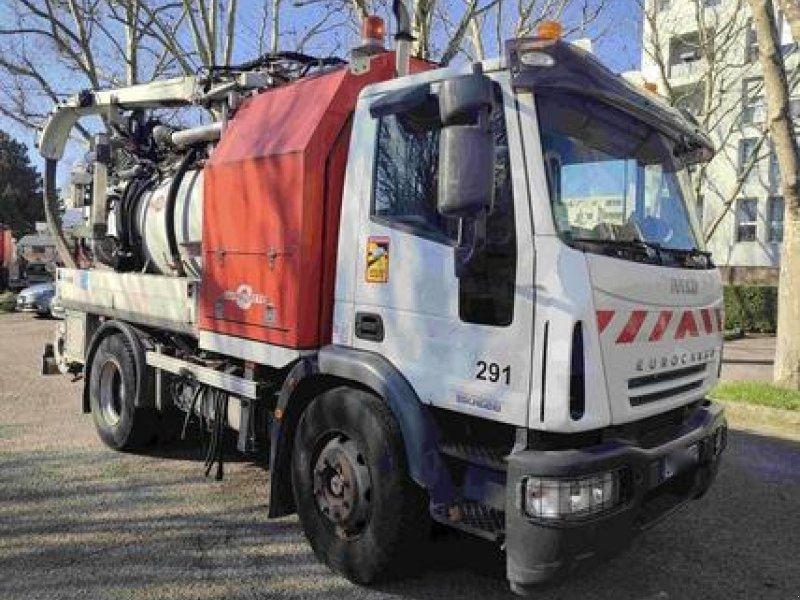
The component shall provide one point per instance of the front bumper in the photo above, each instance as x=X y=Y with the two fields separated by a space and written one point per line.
x=537 y=550
x=39 y=305
x=27 y=305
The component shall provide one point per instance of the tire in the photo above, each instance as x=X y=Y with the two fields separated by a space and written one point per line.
x=113 y=389
x=348 y=446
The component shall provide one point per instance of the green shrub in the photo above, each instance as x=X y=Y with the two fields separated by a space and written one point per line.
x=7 y=301
x=751 y=308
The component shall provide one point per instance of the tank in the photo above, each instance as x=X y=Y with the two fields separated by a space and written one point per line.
x=151 y=225
x=272 y=199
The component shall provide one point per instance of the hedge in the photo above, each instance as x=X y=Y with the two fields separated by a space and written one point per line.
x=7 y=302
x=751 y=308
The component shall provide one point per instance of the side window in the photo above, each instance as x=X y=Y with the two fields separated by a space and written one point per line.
x=486 y=294
x=406 y=179
x=406 y=174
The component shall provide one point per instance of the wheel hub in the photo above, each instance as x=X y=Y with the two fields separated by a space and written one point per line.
x=112 y=391
x=342 y=486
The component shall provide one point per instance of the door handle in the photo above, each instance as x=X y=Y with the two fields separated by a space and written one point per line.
x=369 y=326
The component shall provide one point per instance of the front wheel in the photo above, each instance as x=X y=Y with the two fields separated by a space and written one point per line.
x=359 y=509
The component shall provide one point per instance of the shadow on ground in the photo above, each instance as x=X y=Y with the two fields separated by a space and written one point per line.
x=95 y=524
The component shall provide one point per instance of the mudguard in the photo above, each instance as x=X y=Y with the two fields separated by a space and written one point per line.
x=107 y=328
x=365 y=370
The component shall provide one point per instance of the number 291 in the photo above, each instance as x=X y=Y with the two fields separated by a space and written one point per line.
x=491 y=371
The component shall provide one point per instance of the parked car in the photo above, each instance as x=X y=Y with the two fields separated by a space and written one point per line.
x=37 y=298
x=39 y=272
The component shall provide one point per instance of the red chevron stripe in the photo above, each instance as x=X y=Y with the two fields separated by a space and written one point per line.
x=687 y=325
x=632 y=327
x=603 y=319
x=661 y=325
x=708 y=325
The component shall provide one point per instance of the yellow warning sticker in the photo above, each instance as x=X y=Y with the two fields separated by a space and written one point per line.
x=378 y=259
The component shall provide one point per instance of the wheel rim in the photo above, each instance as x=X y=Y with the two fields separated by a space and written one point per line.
x=112 y=392
x=343 y=486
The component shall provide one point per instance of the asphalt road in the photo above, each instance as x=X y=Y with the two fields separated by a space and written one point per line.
x=80 y=521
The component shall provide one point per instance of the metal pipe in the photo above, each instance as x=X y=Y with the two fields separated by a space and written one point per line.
x=403 y=38
x=99 y=216
x=197 y=135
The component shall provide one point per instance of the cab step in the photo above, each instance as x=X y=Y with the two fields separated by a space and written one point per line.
x=474 y=518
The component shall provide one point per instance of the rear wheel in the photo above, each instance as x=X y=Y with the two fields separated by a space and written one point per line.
x=359 y=509
x=113 y=393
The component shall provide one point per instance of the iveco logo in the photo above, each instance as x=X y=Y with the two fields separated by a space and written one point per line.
x=680 y=285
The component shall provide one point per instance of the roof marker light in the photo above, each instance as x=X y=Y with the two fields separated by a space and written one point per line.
x=373 y=30
x=549 y=30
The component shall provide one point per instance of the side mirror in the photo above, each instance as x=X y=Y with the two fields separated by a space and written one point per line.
x=463 y=99
x=466 y=146
x=466 y=170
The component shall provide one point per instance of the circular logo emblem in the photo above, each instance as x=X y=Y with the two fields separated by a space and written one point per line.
x=244 y=296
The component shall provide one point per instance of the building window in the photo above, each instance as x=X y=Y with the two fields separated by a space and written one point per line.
x=794 y=108
x=751 y=43
x=775 y=219
x=774 y=169
x=711 y=3
x=747 y=148
x=754 y=108
x=662 y=5
x=685 y=55
x=691 y=97
x=746 y=215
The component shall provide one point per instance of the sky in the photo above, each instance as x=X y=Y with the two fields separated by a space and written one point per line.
x=618 y=45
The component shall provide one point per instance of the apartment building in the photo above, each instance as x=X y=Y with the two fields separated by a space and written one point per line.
x=703 y=55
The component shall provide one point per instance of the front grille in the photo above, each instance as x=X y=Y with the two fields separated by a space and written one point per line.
x=656 y=396
x=652 y=388
x=637 y=382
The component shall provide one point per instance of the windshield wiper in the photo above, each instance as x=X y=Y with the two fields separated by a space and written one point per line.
x=657 y=249
x=625 y=244
x=696 y=253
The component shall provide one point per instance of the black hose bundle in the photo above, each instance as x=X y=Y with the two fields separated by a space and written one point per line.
x=214 y=425
x=214 y=450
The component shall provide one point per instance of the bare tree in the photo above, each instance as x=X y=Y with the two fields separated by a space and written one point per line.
x=464 y=24
x=787 y=352
x=712 y=66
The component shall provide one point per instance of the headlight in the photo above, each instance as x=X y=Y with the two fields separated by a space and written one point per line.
x=571 y=498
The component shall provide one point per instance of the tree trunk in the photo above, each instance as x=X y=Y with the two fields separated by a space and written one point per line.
x=791 y=10
x=787 y=353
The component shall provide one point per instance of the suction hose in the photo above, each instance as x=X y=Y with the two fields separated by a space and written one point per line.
x=51 y=214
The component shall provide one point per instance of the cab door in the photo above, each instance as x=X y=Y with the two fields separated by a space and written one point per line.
x=463 y=342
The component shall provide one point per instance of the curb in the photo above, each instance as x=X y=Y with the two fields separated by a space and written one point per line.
x=774 y=422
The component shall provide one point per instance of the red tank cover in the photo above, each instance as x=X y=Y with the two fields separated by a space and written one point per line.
x=272 y=200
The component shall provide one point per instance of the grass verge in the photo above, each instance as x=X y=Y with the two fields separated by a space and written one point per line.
x=7 y=301
x=757 y=392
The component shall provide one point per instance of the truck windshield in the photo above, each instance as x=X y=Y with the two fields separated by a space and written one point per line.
x=617 y=185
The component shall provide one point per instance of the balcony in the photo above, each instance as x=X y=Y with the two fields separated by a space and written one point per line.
x=691 y=69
